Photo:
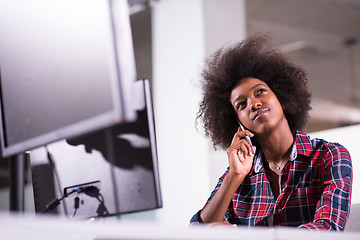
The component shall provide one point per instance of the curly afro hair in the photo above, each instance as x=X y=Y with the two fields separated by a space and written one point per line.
x=253 y=57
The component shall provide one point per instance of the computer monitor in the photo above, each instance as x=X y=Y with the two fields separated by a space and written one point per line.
x=109 y=172
x=66 y=69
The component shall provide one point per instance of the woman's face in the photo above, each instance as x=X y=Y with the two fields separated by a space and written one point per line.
x=257 y=106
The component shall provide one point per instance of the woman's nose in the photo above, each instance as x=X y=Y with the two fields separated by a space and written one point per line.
x=255 y=104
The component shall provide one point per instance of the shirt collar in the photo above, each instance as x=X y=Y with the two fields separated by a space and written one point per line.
x=303 y=144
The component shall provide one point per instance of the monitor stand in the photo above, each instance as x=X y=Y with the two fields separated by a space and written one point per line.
x=17 y=178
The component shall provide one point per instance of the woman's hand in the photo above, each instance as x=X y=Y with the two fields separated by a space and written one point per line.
x=240 y=162
x=240 y=154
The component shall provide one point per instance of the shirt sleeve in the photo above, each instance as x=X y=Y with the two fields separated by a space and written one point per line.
x=196 y=218
x=333 y=208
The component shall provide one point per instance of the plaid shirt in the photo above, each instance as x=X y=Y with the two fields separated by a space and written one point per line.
x=315 y=190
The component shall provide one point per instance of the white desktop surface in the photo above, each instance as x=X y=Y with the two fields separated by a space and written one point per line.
x=16 y=227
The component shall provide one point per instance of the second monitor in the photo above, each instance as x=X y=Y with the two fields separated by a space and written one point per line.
x=110 y=172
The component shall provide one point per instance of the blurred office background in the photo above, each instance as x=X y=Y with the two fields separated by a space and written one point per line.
x=172 y=38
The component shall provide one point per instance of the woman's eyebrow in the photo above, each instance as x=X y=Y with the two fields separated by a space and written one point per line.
x=258 y=85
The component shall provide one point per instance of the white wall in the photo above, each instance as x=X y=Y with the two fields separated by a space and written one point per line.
x=225 y=23
x=178 y=53
x=184 y=33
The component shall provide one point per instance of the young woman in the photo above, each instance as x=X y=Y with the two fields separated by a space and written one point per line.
x=284 y=178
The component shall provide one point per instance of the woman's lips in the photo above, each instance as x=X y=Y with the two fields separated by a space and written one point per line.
x=260 y=113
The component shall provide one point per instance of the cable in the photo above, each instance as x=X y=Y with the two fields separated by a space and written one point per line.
x=54 y=203
x=90 y=191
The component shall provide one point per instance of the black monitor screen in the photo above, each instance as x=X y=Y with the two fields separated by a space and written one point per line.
x=66 y=68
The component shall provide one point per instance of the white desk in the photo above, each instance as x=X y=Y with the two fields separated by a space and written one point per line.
x=40 y=228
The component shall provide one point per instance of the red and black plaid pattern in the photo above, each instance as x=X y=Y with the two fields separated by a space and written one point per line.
x=315 y=190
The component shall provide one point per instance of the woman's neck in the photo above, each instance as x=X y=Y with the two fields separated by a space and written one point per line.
x=277 y=144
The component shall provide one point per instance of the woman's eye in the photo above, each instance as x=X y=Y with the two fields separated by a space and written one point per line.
x=240 y=105
x=260 y=91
